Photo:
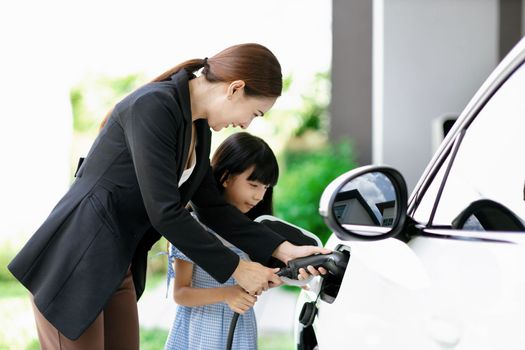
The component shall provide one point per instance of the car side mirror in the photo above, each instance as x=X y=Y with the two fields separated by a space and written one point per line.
x=367 y=203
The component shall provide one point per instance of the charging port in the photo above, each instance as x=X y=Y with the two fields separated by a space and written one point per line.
x=331 y=284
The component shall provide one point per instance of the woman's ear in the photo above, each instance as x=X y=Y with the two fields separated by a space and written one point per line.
x=234 y=87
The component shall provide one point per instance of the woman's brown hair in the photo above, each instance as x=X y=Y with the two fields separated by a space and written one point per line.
x=253 y=63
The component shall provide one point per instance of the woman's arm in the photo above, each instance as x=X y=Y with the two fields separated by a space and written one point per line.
x=184 y=294
x=152 y=124
x=257 y=240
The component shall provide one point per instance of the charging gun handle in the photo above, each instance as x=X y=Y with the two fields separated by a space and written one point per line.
x=334 y=263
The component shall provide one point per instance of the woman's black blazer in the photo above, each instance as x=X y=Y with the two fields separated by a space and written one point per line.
x=124 y=197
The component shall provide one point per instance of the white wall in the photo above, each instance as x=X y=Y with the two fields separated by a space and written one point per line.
x=430 y=56
x=35 y=120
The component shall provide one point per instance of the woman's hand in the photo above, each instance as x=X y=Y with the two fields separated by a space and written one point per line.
x=287 y=251
x=255 y=278
x=238 y=299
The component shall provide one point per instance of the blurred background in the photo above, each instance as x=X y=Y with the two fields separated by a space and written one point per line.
x=366 y=81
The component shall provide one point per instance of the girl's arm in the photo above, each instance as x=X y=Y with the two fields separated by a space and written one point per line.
x=184 y=294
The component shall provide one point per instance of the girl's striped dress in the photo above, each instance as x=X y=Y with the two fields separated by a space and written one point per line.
x=206 y=327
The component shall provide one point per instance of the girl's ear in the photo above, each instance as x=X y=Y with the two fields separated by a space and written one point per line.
x=225 y=179
x=235 y=86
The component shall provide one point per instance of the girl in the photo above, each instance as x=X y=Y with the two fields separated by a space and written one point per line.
x=85 y=266
x=246 y=171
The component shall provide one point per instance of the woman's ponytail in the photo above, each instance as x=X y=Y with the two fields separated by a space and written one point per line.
x=190 y=65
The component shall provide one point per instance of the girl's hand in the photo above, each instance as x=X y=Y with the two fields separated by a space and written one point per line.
x=238 y=299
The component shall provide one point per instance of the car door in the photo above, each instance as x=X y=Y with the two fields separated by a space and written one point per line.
x=470 y=236
x=453 y=279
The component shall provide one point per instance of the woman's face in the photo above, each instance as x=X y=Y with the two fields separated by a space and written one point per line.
x=234 y=108
x=242 y=193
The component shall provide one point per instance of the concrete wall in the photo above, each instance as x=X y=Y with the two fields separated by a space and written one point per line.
x=433 y=57
x=350 y=107
x=398 y=65
x=429 y=59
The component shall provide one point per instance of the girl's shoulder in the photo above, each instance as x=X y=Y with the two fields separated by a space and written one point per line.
x=175 y=253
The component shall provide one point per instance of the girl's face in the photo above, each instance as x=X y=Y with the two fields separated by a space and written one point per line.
x=242 y=193
x=234 y=108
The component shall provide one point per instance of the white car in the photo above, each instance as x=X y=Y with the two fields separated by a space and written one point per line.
x=445 y=268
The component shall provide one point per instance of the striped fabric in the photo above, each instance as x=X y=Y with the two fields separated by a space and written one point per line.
x=206 y=327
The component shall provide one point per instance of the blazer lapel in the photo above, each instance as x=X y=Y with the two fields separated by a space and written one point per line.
x=203 y=144
x=181 y=82
x=202 y=151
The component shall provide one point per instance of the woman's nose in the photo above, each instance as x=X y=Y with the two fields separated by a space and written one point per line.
x=246 y=124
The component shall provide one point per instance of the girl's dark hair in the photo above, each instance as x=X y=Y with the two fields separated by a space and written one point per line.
x=253 y=63
x=239 y=152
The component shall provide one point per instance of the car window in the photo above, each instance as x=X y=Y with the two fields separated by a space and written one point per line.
x=427 y=199
x=487 y=176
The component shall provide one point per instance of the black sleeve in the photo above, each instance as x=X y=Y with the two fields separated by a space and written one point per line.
x=151 y=130
x=255 y=239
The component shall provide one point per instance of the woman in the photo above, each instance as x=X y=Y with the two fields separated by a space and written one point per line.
x=85 y=266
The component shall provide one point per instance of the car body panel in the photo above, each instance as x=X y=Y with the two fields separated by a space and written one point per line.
x=414 y=296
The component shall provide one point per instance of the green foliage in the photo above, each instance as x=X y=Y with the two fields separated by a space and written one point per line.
x=34 y=344
x=313 y=115
x=308 y=164
x=93 y=98
x=12 y=289
x=81 y=121
x=7 y=253
x=158 y=260
x=276 y=341
x=287 y=82
x=303 y=180
x=152 y=339
x=17 y=329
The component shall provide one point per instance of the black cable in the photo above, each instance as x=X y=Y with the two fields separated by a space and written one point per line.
x=229 y=341
x=233 y=323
